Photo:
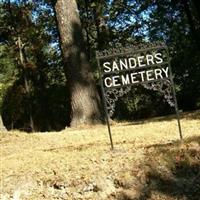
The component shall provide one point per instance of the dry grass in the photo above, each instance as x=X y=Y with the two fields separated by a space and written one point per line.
x=78 y=163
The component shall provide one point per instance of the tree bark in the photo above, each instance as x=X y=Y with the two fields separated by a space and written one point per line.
x=83 y=93
x=87 y=30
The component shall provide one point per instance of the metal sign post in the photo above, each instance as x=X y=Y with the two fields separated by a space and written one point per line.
x=105 y=106
x=145 y=64
x=175 y=99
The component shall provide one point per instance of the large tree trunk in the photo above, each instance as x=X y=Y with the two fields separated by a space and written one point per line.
x=84 y=96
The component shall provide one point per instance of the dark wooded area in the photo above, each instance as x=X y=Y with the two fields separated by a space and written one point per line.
x=48 y=71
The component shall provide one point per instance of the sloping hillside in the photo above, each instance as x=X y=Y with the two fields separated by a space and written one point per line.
x=148 y=162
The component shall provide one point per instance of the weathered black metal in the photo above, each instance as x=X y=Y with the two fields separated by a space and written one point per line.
x=105 y=106
x=131 y=49
x=113 y=93
x=175 y=99
x=112 y=96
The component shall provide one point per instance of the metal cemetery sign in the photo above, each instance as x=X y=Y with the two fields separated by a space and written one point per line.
x=145 y=64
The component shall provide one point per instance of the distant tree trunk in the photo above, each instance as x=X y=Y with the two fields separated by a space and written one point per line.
x=23 y=61
x=84 y=97
x=2 y=127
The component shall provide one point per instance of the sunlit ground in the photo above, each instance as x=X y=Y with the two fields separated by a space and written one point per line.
x=78 y=163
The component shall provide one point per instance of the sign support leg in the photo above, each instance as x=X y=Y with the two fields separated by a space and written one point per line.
x=176 y=104
x=177 y=111
x=105 y=107
x=107 y=118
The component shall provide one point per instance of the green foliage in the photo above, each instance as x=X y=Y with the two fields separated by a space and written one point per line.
x=49 y=108
x=8 y=72
x=179 y=29
x=32 y=70
x=141 y=103
x=130 y=22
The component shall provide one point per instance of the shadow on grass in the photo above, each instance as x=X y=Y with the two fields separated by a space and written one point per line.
x=174 y=172
x=183 y=115
x=184 y=185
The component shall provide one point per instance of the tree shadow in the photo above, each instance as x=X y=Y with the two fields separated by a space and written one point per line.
x=184 y=185
x=195 y=115
x=180 y=177
x=173 y=172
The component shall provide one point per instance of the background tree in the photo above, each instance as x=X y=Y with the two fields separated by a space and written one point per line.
x=30 y=41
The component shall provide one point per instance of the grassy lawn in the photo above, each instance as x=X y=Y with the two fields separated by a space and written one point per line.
x=148 y=162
